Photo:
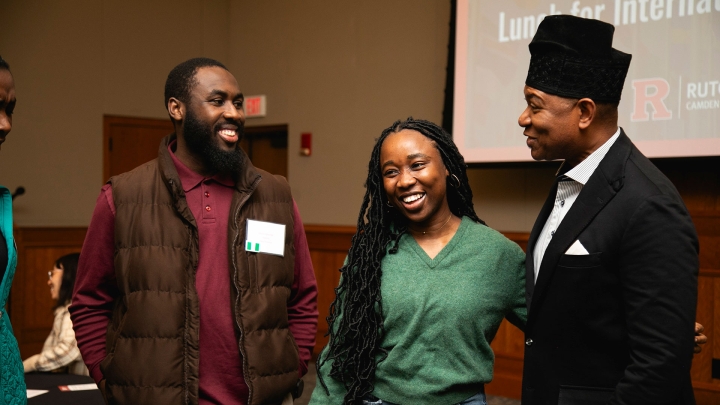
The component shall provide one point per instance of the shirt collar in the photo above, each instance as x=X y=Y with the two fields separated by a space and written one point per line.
x=582 y=172
x=189 y=178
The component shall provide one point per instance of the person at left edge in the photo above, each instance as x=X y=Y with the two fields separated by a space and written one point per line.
x=12 y=381
x=169 y=307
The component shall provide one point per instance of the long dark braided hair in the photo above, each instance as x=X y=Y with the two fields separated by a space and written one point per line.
x=355 y=320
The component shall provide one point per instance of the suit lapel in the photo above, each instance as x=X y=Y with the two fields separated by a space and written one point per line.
x=534 y=235
x=602 y=186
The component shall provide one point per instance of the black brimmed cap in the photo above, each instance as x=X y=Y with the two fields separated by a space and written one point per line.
x=573 y=57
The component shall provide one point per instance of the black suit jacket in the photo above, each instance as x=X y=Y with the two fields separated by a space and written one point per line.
x=615 y=326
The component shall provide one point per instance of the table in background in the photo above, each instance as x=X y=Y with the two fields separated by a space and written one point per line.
x=51 y=381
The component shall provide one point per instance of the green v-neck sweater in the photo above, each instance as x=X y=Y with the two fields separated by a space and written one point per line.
x=440 y=316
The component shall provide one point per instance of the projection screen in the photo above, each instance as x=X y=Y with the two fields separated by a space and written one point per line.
x=670 y=104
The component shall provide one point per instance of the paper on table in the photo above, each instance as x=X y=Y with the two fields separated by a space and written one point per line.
x=78 y=387
x=34 y=393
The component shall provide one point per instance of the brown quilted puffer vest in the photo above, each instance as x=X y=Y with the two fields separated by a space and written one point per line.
x=152 y=339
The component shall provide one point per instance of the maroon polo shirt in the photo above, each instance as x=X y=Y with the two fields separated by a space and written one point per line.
x=209 y=199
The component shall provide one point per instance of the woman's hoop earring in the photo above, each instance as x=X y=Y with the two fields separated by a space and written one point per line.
x=455 y=184
x=387 y=202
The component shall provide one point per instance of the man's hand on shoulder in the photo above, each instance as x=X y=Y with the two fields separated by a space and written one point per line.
x=700 y=339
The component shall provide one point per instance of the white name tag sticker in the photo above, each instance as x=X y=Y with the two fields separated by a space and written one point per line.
x=265 y=237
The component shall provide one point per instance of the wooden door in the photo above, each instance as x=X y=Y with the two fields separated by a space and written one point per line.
x=129 y=142
x=267 y=148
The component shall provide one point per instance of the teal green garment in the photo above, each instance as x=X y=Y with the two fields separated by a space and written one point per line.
x=440 y=316
x=12 y=377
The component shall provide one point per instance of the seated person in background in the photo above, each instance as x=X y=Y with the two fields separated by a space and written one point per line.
x=60 y=352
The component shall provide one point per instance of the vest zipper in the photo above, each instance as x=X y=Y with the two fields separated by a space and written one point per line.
x=237 y=288
x=191 y=237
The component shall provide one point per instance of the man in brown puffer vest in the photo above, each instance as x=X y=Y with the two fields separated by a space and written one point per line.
x=179 y=299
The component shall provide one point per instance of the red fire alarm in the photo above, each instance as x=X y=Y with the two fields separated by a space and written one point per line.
x=306 y=144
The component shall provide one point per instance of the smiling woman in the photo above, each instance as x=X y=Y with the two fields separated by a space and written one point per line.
x=425 y=284
x=414 y=180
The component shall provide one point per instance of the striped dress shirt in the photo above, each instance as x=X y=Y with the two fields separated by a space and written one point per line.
x=569 y=187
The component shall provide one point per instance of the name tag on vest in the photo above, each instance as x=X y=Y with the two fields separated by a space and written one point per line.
x=265 y=237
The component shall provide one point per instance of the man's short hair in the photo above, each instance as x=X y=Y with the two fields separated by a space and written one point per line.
x=4 y=65
x=182 y=78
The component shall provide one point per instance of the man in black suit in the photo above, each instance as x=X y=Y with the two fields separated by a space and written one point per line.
x=612 y=259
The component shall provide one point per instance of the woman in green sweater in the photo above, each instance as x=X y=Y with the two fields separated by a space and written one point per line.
x=425 y=284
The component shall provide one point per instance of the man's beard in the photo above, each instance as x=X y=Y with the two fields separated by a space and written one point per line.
x=201 y=141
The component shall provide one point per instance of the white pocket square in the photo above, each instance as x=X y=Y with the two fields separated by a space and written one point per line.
x=577 y=249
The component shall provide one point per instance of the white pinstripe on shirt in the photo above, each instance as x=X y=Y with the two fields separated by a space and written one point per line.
x=567 y=192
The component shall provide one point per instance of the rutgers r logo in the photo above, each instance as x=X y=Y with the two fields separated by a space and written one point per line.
x=650 y=95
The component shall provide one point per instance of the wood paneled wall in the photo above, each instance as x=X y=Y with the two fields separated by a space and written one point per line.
x=30 y=303
x=698 y=181
x=707 y=389
x=328 y=247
